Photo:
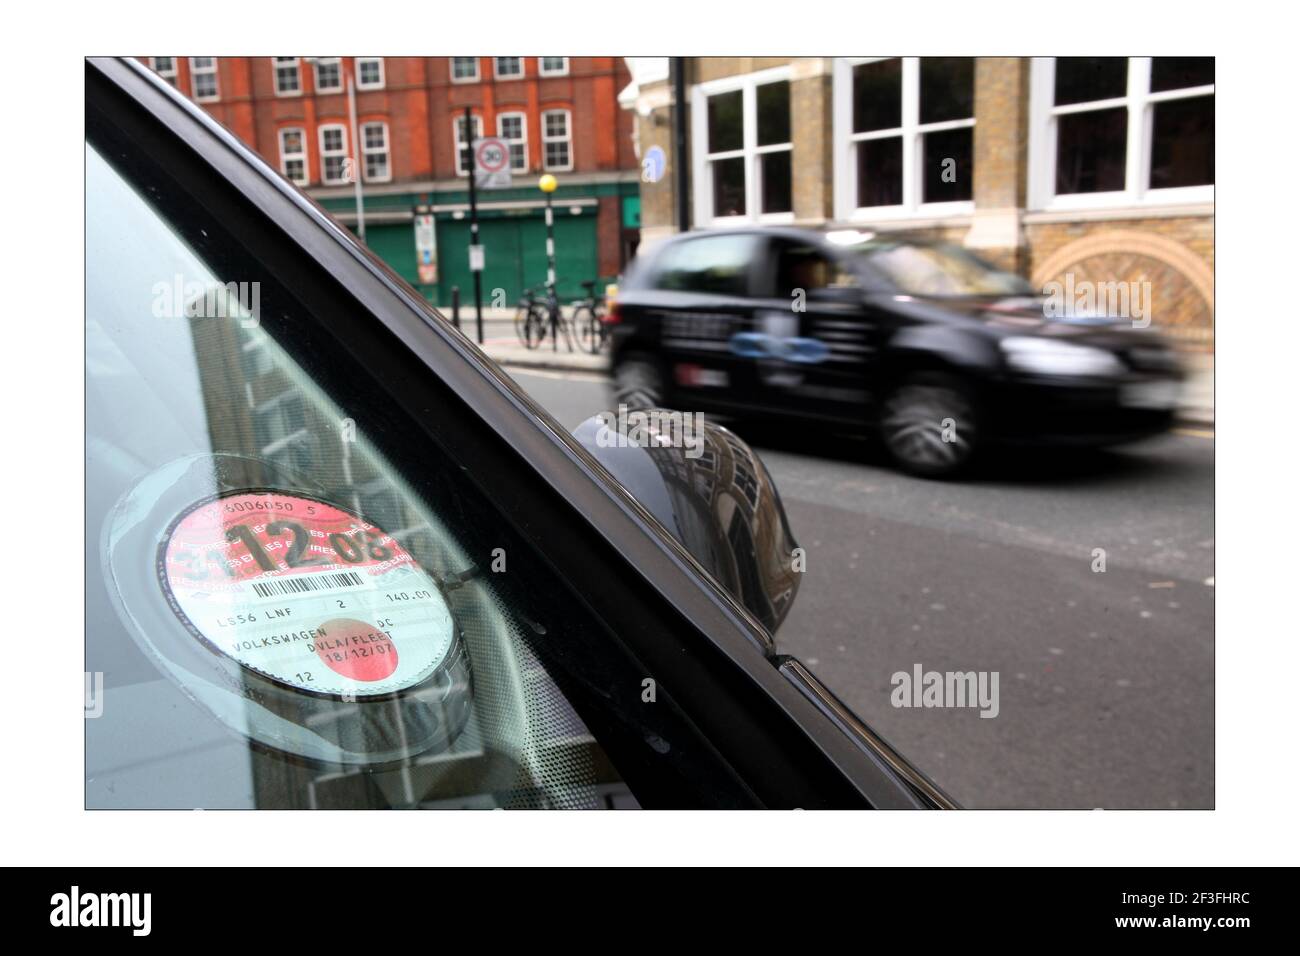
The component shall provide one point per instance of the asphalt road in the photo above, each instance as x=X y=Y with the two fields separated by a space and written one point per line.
x=1106 y=679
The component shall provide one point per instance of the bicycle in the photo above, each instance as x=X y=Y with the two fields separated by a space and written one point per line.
x=545 y=316
x=588 y=320
x=526 y=300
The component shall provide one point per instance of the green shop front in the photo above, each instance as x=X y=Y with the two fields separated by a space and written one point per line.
x=512 y=231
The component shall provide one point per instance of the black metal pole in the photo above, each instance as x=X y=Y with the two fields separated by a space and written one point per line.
x=681 y=179
x=473 y=222
x=550 y=270
x=455 y=306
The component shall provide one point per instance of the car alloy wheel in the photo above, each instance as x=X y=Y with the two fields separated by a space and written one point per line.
x=638 y=384
x=929 y=427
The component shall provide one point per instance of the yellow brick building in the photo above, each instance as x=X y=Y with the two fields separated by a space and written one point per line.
x=1100 y=169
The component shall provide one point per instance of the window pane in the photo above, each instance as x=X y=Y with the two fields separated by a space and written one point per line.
x=729 y=186
x=376 y=165
x=947 y=88
x=259 y=404
x=557 y=124
x=327 y=74
x=880 y=172
x=369 y=73
x=1090 y=151
x=773 y=113
x=292 y=141
x=801 y=266
x=946 y=161
x=877 y=95
x=726 y=122
x=1082 y=79
x=719 y=265
x=1182 y=143
x=775 y=170
x=1179 y=72
x=557 y=154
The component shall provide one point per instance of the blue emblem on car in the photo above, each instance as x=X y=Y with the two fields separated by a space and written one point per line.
x=790 y=348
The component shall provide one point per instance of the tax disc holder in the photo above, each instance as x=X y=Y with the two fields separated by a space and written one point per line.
x=292 y=618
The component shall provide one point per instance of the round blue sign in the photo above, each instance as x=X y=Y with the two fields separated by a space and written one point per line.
x=653 y=165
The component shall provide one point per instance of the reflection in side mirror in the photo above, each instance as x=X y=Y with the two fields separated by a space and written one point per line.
x=712 y=493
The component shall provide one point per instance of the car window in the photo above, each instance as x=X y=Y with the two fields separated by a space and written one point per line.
x=719 y=265
x=294 y=597
x=801 y=265
x=937 y=270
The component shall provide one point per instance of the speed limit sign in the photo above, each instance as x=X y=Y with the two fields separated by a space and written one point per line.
x=491 y=163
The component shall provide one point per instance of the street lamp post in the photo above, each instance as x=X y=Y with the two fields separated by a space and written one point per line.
x=357 y=159
x=475 y=250
x=547 y=185
x=355 y=151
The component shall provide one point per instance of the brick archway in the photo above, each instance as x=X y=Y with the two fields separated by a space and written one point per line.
x=1182 y=283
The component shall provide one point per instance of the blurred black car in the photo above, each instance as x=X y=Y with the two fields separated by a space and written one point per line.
x=337 y=558
x=927 y=343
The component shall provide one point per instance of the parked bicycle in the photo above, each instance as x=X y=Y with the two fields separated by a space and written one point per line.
x=588 y=320
x=539 y=312
x=545 y=318
x=526 y=301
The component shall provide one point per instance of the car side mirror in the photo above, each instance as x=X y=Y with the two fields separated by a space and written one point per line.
x=712 y=493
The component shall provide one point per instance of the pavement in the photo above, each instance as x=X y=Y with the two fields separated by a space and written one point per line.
x=501 y=342
x=1106 y=677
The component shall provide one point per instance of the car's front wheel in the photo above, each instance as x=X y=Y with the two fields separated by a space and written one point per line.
x=929 y=426
x=638 y=383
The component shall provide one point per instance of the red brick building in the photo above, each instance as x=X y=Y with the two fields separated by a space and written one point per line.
x=559 y=115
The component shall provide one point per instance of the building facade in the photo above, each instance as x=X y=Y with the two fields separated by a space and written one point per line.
x=559 y=115
x=1099 y=169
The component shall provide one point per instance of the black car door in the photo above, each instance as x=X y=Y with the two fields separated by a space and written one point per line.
x=812 y=324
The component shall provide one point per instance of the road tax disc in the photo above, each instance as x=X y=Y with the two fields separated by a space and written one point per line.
x=306 y=594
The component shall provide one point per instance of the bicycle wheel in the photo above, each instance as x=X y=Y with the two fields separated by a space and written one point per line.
x=536 y=326
x=588 y=329
x=602 y=330
x=521 y=320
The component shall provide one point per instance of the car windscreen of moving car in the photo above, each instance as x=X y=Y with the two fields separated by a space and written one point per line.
x=936 y=269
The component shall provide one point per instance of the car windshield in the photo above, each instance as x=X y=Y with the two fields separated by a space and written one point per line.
x=293 y=601
x=937 y=269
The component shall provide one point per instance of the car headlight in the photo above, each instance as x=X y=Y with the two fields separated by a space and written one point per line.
x=1052 y=357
